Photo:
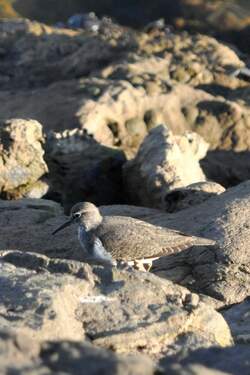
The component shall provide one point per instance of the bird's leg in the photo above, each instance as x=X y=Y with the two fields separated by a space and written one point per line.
x=141 y=266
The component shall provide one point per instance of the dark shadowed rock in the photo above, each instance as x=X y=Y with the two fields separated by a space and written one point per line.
x=211 y=361
x=191 y=195
x=238 y=318
x=21 y=354
x=83 y=170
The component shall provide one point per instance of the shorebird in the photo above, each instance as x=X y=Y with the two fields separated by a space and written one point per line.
x=122 y=239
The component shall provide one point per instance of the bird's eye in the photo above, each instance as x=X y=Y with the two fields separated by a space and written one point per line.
x=76 y=215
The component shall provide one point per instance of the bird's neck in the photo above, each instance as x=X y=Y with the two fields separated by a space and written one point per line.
x=88 y=226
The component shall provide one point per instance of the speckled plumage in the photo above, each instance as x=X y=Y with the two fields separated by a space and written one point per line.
x=124 y=238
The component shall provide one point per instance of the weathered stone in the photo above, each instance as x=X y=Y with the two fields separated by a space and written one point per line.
x=82 y=169
x=124 y=96
x=124 y=310
x=21 y=354
x=31 y=222
x=164 y=162
x=238 y=318
x=38 y=63
x=211 y=361
x=21 y=156
x=191 y=195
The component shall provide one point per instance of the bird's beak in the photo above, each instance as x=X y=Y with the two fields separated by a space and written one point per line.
x=64 y=225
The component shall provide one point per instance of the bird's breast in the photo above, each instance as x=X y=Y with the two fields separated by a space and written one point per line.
x=83 y=239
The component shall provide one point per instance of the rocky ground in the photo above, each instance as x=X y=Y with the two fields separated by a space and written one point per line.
x=149 y=124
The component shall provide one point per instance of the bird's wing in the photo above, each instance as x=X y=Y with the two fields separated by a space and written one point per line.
x=128 y=239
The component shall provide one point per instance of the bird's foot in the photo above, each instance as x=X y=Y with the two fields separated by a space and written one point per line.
x=122 y=265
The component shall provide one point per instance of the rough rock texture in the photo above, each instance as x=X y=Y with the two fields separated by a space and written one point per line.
x=31 y=222
x=82 y=169
x=33 y=44
x=21 y=354
x=164 y=162
x=212 y=361
x=238 y=318
x=222 y=272
x=191 y=195
x=136 y=79
x=228 y=20
x=126 y=311
x=21 y=157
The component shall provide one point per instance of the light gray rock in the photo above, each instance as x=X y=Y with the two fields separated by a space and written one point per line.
x=164 y=162
x=191 y=195
x=21 y=157
x=124 y=310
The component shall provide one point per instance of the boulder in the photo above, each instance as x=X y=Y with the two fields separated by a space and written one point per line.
x=211 y=361
x=238 y=318
x=116 y=98
x=21 y=157
x=124 y=310
x=164 y=162
x=37 y=63
x=191 y=195
x=22 y=354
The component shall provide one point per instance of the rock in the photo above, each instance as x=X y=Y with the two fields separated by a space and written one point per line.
x=38 y=63
x=124 y=97
x=211 y=361
x=31 y=222
x=124 y=310
x=24 y=355
x=238 y=318
x=227 y=167
x=164 y=162
x=191 y=195
x=21 y=157
x=224 y=19
x=83 y=170
x=221 y=272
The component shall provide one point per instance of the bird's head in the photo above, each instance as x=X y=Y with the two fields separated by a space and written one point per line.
x=85 y=214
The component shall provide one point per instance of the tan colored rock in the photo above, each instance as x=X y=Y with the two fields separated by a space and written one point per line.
x=164 y=162
x=124 y=96
x=21 y=156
